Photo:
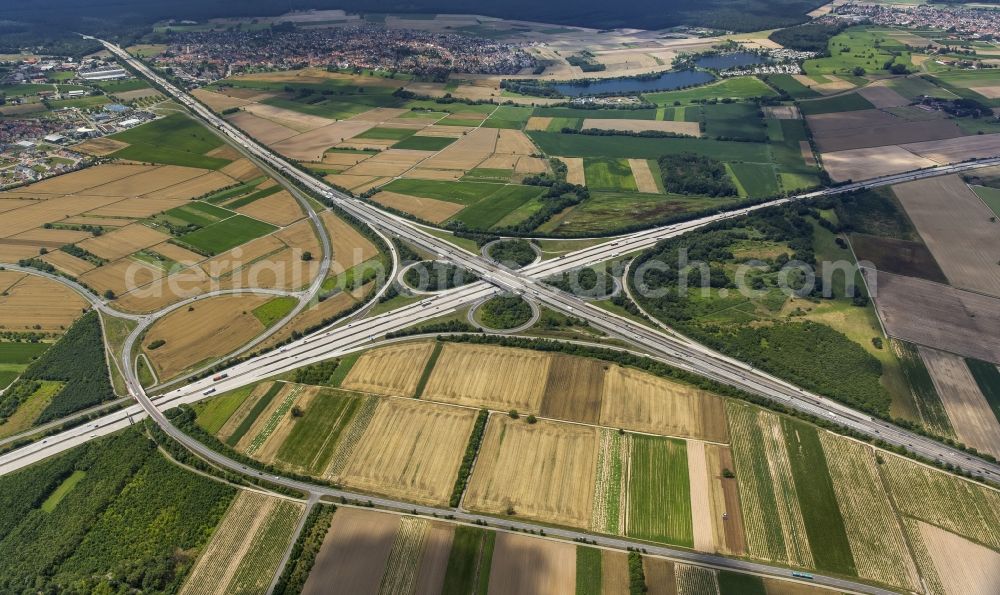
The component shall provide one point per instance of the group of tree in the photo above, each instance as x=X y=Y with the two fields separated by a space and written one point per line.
x=688 y=173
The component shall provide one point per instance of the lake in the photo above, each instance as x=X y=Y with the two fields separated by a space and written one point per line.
x=727 y=61
x=667 y=81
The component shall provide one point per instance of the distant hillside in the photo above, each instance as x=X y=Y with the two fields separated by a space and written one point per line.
x=118 y=15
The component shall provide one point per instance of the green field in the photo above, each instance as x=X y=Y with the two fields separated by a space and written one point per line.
x=859 y=47
x=489 y=211
x=756 y=179
x=610 y=147
x=201 y=214
x=741 y=87
x=486 y=174
x=988 y=378
x=990 y=196
x=465 y=193
x=929 y=408
x=337 y=107
x=274 y=310
x=226 y=234
x=509 y=117
x=112 y=87
x=734 y=583
x=608 y=211
x=314 y=438
x=603 y=114
x=588 y=570
x=387 y=133
x=214 y=413
x=87 y=102
x=840 y=103
x=831 y=550
x=609 y=174
x=424 y=143
x=659 y=493
x=243 y=201
x=742 y=121
x=62 y=491
x=795 y=89
x=20 y=353
x=469 y=562
x=173 y=140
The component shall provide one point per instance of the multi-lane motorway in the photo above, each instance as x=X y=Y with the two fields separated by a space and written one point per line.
x=360 y=334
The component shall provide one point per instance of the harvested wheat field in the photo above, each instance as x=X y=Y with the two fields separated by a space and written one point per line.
x=195 y=187
x=240 y=256
x=644 y=180
x=212 y=329
x=524 y=565
x=515 y=142
x=177 y=253
x=835 y=85
x=344 y=158
x=968 y=410
x=242 y=170
x=686 y=128
x=538 y=123
x=391 y=370
x=100 y=147
x=146 y=182
x=487 y=376
x=188 y=282
x=412 y=451
x=701 y=513
x=542 y=471
x=122 y=276
x=51 y=238
x=861 y=164
x=873 y=531
x=428 y=209
x=963 y=567
x=614 y=573
x=136 y=208
x=350 y=248
x=434 y=174
x=265 y=131
x=29 y=300
x=467 y=152
x=52 y=210
x=574 y=389
x=390 y=162
x=124 y=241
x=217 y=102
x=938 y=316
x=247 y=547
x=642 y=402
x=289 y=118
x=724 y=495
x=660 y=576
x=67 y=263
x=531 y=165
x=91 y=177
x=278 y=209
x=955 y=225
x=310 y=146
x=575 y=173
x=354 y=553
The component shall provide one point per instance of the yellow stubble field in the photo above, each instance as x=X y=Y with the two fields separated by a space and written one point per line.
x=391 y=370
x=488 y=376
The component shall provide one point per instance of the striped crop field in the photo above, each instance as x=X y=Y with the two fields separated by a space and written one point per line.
x=404 y=558
x=874 y=533
x=659 y=500
x=610 y=495
x=772 y=519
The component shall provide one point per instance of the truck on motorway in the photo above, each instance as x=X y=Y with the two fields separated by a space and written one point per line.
x=219 y=377
x=804 y=575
